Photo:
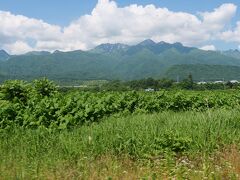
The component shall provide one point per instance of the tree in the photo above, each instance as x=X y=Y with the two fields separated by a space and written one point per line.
x=187 y=83
x=165 y=83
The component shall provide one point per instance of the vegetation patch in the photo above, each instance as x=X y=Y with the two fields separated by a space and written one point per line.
x=45 y=133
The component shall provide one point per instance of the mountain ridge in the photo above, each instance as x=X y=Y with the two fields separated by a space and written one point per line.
x=112 y=61
x=4 y=56
x=109 y=47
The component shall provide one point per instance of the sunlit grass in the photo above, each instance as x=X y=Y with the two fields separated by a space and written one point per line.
x=128 y=148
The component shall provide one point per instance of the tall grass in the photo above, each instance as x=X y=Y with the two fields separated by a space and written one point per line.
x=26 y=153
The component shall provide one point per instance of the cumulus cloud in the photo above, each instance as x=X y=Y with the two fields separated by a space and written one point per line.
x=208 y=48
x=216 y=20
x=109 y=23
x=131 y=24
x=231 y=35
x=16 y=31
x=18 y=26
x=18 y=47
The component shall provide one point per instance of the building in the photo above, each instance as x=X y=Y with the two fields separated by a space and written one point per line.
x=234 y=81
x=149 y=90
x=218 y=82
x=201 y=82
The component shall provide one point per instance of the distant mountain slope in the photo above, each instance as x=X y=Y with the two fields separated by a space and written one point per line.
x=112 y=61
x=2 y=77
x=204 y=72
x=146 y=63
x=110 y=48
x=157 y=48
x=232 y=53
x=4 y=55
x=39 y=53
x=73 y=65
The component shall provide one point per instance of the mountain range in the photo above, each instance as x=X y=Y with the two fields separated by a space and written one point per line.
x=124 y=62
x=4 y=56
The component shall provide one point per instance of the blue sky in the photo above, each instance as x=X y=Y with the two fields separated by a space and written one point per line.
x=59 y=24
x=62 y=12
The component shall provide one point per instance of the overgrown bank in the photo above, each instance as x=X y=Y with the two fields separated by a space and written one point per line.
x=180 y=144
x=39 y=104
x=84 y=135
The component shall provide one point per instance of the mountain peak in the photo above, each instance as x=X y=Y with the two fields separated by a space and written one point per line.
x=38 y=53
x=109 y=48
x=233 y=50
x=3 y=52
x=235 y=53
x=57 y=51
x=162 y=42
x=4 y=55
x=178 y=44
x=147 y=42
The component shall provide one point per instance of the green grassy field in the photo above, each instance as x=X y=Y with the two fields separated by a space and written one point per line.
x=48 y=134
x=190 y=144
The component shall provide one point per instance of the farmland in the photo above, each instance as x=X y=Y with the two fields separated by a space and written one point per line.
x=133 y=134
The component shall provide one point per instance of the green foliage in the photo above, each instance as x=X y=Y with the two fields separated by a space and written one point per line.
x=171 y=142
x=16 y=90
x=174 y=139
x=114 y=86
x=143 y=84
x=39 y=105
x=45 y=87
x=187 y=83
x=204 y=72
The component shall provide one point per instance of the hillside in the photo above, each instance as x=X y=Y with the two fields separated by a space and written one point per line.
x=232 y=53
x=111 y=61
x=4 y=56
x=204 y=72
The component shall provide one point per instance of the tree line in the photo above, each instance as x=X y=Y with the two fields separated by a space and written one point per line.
x=165 y=83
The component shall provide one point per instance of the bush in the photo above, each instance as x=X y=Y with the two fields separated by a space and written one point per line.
x=44 y=87
x=15 y=91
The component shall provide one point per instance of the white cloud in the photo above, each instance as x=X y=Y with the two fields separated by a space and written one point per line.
x=19 y=47
x=220 y=17
x=231 y=35
x=17 y=30
x=18 y=26
x=208 y=48
x=131 y=24
x=109 y=23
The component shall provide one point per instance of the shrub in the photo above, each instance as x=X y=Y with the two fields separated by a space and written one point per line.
x=15 y=90
x=44 y=87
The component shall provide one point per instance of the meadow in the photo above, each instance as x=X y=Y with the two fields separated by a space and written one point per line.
x=46 y=134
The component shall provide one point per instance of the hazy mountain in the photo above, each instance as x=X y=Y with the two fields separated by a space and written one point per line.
x=232 y=53
x=110 y=48
x=158 y=48
x=147 y=42
x=4 y=55
x=115 y=61
x=38 y=53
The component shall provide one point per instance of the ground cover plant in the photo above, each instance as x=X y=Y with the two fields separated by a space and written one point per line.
x=45 y=134
x=39 y=104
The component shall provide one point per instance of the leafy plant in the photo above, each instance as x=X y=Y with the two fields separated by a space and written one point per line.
x=16 y=90
x=45 y=87
x=38 y=104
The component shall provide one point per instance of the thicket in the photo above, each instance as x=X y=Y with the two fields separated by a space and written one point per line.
x=39 y=104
